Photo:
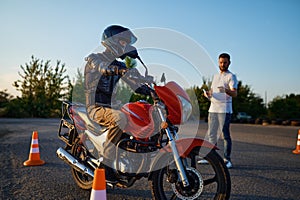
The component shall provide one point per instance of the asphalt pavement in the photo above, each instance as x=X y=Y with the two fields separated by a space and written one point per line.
x=264 y=166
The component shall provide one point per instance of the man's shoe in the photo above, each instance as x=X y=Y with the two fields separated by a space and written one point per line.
x=228 y=164
x=202 y=161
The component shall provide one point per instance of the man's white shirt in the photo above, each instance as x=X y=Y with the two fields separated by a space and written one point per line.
x=220 y=101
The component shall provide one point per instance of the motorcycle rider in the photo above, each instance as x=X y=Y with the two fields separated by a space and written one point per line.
x=102 y=73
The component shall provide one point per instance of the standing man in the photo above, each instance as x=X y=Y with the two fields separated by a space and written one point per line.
x=223 y=88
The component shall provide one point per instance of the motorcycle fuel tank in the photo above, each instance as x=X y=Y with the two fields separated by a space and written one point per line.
x=139 y=116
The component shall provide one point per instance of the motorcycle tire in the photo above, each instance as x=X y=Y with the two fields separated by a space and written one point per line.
x=207 y=181
x=84 y=181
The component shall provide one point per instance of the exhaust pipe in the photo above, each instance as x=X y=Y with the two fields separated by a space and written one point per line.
x=69 y=159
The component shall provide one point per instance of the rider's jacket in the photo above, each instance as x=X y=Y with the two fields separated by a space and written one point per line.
x=100 y=78
x=102 y=73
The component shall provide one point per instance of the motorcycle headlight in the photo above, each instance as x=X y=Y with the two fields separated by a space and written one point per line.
x=186 y=109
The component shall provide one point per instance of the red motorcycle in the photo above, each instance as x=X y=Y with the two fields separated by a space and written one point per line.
x=150 y=148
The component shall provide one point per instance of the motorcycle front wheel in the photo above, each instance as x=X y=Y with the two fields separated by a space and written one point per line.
x=206 y=181
x=83 y=180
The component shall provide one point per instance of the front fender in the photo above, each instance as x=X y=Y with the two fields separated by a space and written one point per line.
x=184 y=147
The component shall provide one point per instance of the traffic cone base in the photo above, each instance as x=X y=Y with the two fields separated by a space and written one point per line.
x=33 y=162
x=297 y=150
x=34 y=155
x=99 y=185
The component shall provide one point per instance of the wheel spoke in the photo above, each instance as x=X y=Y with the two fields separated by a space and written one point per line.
x=173 y=196
x=210 y=181
x=86 y=178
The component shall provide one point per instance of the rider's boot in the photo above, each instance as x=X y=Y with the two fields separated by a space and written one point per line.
x=110 y=174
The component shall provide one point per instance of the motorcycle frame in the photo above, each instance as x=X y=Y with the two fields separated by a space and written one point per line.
x=67 y=122
x=177 y=147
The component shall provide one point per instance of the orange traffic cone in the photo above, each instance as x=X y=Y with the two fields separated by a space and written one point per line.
x=34 y=155
x=297 y=150
x=99 y=185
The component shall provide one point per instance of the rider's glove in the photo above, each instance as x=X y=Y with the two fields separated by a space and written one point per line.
x=113 y=70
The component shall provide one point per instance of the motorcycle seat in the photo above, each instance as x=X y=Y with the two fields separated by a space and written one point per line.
x=91 y=125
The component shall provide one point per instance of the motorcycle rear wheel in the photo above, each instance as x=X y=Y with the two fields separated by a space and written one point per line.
x=84 y=181
x=208 y=181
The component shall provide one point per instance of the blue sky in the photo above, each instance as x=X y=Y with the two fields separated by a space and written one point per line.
x=262 y=36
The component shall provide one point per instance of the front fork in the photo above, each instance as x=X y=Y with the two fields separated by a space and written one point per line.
x=172 y=140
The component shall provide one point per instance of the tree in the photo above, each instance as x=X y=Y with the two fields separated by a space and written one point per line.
x=130 y=62
x=249 y=102
x=246 y=101
x=42 y=88
x=77 y=91
x=5 y=98
x=200 y=104
x=285 y=107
